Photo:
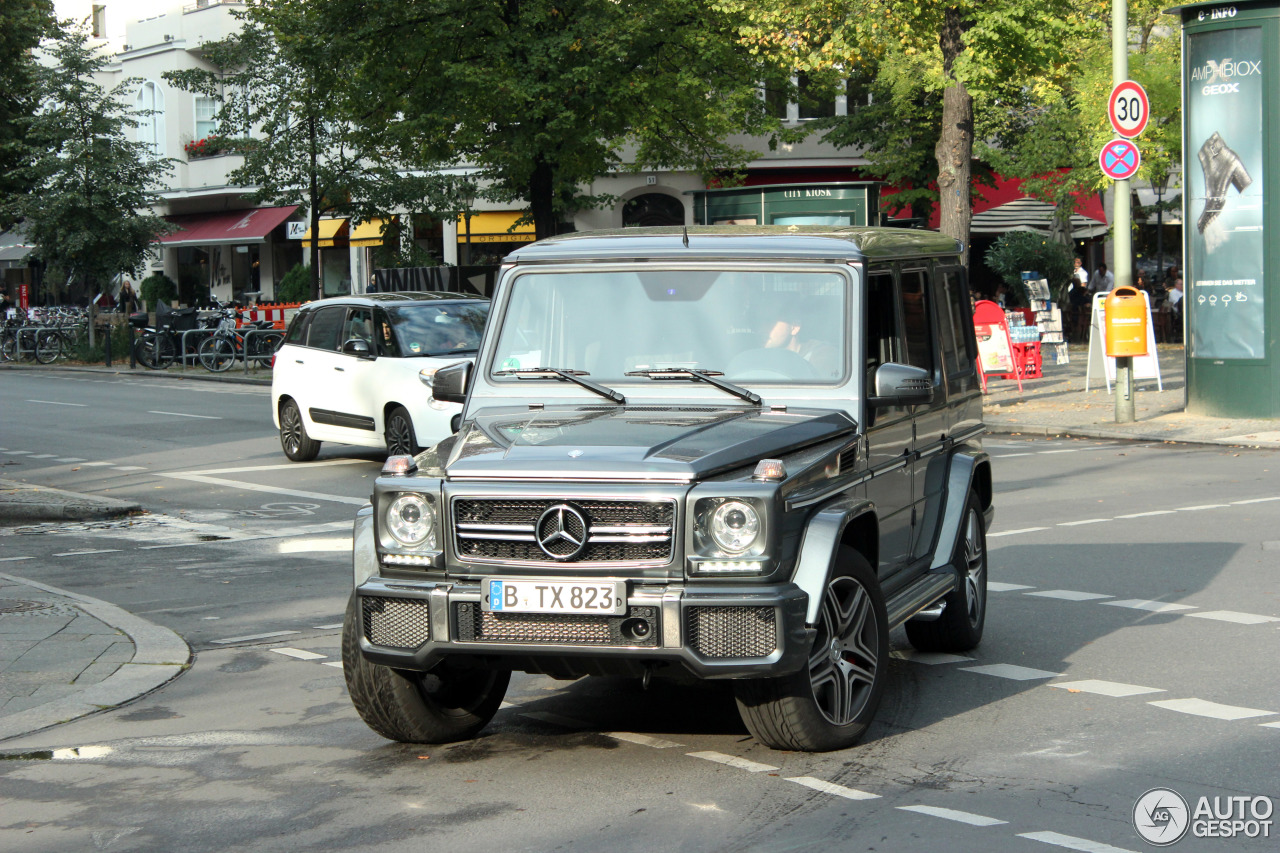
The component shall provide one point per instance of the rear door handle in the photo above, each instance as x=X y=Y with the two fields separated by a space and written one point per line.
x=298 y=361
x=341 y=369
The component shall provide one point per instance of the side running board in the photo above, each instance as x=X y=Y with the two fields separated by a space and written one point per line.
x=919 y=595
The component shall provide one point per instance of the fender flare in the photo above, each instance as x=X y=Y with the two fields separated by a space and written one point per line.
x=364 y=552
x=820 y=545
x=965 y=463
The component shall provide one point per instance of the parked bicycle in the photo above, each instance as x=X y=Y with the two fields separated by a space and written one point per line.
x=158 y=346
x=256 y=340
x=42 y=335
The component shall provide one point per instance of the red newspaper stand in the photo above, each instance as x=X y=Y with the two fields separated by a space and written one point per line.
x=997 y=356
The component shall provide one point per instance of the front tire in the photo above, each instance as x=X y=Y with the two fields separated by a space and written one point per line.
x=295 y=442
x=829 y=704
x=399 y=434
x=217 y=354
x=48 y=347
x=447 y=704
x=959 y=628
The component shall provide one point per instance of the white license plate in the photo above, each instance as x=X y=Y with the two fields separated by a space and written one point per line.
x=551 y=595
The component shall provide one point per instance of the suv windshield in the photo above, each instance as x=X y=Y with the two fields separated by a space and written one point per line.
x=767 y=326
x=431 y=328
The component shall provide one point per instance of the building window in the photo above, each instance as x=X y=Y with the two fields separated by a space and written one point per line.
x=206 y=111
x=99 y=22
x=150 y=106
x=815 y=102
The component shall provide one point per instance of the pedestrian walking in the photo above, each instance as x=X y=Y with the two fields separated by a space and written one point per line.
x=127 y=300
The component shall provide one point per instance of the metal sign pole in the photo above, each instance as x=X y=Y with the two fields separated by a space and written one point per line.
x=1122 y=254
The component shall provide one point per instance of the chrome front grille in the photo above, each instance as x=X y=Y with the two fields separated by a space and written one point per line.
x=611 y=531
x=475 y=625
x=401 y=623
x=732 y=632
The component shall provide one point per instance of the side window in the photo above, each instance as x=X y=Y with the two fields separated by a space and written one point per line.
x=297 y=333
x=915 y=319
x=956 y=318
x=385 y=335
x=882 y=339
x=325 y=325
x=359 y=326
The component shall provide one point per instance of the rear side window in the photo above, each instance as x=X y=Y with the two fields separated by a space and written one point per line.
x=956 y=319
x=915 y=319
x=297 y=333
x=883 y=343
x=325 y=325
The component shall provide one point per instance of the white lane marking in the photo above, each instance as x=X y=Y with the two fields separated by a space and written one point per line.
x=1233 y=616
x=952 y=814
x=1153 y=606
x=272 y=490
x=129 y=468
x=17 y=453
x=247 y=637
x=327 y=627
x=1009 y=455
x=300 y=654
x=930 y=658
x=1008 y=670
x=732 y=761
x=1203 y=506
x=336 y=664
x=1146 y=514
x=1071 y=450
x=76 y=752
x=97 y=464
x=1068 y=594
x=1070 y=842
x=1216 y=710
x=997 y=586
x=68 y=459
x=643 y=740
x=1083 y=521
x=43 y=456
x=293 y=465
x=314 y=545
x=1104 y=688
x=88 y=551
x=833 y=789
x=14 y=559
x=1255 y=501
x=1270 y=725
x=56 y=403
x=1015 y=532
x=185 y=415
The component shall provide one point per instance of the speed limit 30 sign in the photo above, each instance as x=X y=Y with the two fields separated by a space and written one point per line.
x=1129 y=109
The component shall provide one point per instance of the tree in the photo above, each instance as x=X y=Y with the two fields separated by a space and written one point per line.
x=90 y=217
x=26 y=22
x=280 y=84
x=545 y=97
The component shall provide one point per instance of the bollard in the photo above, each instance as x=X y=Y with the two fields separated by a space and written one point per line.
x=106 y=344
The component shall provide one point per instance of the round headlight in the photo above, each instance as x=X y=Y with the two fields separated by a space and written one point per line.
x=735 y=525
x=412 y=521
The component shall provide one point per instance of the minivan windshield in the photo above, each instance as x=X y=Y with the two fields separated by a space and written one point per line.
x=438 y=328
x=783 y=326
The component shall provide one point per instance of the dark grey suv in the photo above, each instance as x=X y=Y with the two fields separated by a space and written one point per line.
x=732 y=453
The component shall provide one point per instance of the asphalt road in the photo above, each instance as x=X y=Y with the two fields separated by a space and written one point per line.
x=1132 y=635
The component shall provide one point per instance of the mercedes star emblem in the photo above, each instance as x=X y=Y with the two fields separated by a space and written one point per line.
x=561 y=532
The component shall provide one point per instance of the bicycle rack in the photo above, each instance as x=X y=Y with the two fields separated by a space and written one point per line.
x=262 y=359
x=194 y=356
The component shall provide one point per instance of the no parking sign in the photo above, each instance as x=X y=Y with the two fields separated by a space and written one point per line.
x=1120 y=159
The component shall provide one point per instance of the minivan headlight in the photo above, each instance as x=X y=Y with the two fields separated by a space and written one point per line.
x=735 y=527
x=411 y=521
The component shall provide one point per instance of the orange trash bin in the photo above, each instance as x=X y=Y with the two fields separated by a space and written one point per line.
x=1126 y=322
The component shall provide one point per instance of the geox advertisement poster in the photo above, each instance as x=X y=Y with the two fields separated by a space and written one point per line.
x=1223 y=280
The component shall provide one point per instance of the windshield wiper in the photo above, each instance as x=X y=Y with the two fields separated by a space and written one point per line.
x=707 y=376
x=574 y=376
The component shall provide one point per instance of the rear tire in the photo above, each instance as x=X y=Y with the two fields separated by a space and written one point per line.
x=295 y=442
x=830 y=703
x=959 y=628
x=447 y=704
x=48 y=347
x=144 y=351
x=217 y=354
x=399 y=434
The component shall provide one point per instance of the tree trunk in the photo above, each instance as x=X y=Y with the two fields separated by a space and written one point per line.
x=315 y=212
x=542 y=199
x=954 y=151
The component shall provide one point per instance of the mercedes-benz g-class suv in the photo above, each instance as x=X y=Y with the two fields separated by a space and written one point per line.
x=723 y=452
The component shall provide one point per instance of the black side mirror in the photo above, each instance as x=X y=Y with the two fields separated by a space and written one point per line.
x=451 y=383
x=358 y=348
x=901 y=385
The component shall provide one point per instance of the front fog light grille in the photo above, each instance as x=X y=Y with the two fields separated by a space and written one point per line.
x=732 y=632
x=401 y=623
x=639 y=627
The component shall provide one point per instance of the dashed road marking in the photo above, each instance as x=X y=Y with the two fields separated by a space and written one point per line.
x=832 y=788
x=1012 y=671
x=327 y=627
x=14 y=559
x=1153 y=606
x=97 y=464
x=300 y=654
x=87 y=552
x=733 y=761
x=1068 y=594
x=1234 y=616
x=185 y=415
x=929 y=658
x=998 y=586
x=69 y=459
x=129 y=468
x=17 y=453
x=44 y=456
x=1255 y=501
x=1148 y=514
x=247 y=637
x=1105 y=688
x=643 y=740
x=1070 y=842
x=1203 y=708
x=1270 y=725
x=952 y=814
x=337 y=664
x=57 y=403
x=1083 y=521
x=1202 y=506
x=1015 y=532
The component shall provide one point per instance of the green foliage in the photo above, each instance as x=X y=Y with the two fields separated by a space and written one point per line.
x=121 y=340
x=157 y=288
x=295 y=286
x=93 y=179
x=26 y=22
x=1019 y=251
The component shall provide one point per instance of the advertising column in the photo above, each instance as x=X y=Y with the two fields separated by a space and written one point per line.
x=1227 y=58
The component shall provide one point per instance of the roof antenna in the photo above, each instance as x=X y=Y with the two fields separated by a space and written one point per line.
x=686 y=236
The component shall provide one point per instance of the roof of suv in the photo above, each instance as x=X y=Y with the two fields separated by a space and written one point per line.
x=388 y=299
x=812 y=242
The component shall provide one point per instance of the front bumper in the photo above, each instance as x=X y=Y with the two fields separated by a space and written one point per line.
x=711 y=631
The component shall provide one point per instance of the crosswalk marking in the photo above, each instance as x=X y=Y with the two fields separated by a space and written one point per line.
x=1068 y=594
x=832 y=788
x=1012 y=671
x=732 y=761
x=953 y=814
x=1216 y=710
x=1104 y=688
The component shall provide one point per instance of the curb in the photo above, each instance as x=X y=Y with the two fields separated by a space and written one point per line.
x=995 y=428
x=159 y=656
x=203 y=376
x=27 y=502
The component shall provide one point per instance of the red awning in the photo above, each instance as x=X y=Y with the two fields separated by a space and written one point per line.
x=227 y=227
x=1005 y=207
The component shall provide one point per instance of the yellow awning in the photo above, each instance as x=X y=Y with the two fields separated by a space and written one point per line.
x=495 y=226
x=331 y=232
x=369 y=233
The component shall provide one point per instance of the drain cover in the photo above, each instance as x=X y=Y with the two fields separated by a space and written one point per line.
x=14 y=605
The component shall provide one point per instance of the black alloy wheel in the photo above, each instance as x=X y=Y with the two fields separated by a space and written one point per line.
x=964 y=614
x=295 y=442
x=400 y=436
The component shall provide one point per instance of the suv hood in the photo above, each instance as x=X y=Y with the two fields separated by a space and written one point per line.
x=656 y=443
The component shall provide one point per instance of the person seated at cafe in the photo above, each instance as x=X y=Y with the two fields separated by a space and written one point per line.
x=1079 y=304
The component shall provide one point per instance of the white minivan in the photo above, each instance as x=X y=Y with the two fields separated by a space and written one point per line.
x=357 y=370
